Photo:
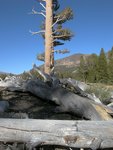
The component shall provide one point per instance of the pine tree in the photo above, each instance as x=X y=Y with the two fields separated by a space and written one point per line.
x=82 y=69
x=88 y=68
x=53 y=31
x=102 y=67
x=92 y=66
x=110 y=66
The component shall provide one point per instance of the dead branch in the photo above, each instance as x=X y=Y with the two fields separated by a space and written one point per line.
x=43 y=6
x=60 y=36
x=37 y=13
x=58 y=20
x=38 y=32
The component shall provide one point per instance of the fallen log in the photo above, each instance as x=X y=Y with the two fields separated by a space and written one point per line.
x=78 y=88
x=73 y=134
x=67 y=101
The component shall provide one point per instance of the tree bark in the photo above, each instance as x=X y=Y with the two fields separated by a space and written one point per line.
x=74 y=134
x=48 y=36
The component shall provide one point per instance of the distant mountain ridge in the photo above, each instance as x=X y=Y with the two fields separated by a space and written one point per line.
x=70 y=61
x=1 y=72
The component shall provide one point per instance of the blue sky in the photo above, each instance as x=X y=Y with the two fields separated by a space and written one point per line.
x=92 y=26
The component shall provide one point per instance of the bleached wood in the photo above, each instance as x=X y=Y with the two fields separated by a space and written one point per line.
x=73 y=134
x=33 y=33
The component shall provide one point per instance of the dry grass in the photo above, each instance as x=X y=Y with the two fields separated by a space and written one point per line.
x=102 y=91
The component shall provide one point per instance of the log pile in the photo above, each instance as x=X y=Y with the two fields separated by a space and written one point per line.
x=63 y=101
x=56 y=99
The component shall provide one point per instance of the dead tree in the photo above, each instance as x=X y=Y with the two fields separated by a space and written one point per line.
x=70 y=134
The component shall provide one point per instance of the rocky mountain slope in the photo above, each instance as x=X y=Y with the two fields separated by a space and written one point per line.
x=70 y=61
x=69 y=64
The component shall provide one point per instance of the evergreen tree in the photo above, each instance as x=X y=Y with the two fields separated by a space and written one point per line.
x=87 y=70
x=52 y=30
x=82 y=69
x=102 y=67
x=110 y=65
x=92 y=66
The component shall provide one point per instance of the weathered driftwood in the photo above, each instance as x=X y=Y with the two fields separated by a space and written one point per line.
x=25 y=104
x=74 y=134
x=79 y=88
x=67 y=101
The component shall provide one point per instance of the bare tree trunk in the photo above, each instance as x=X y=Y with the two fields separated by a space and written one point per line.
x=48 y=36
x=52 y=59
